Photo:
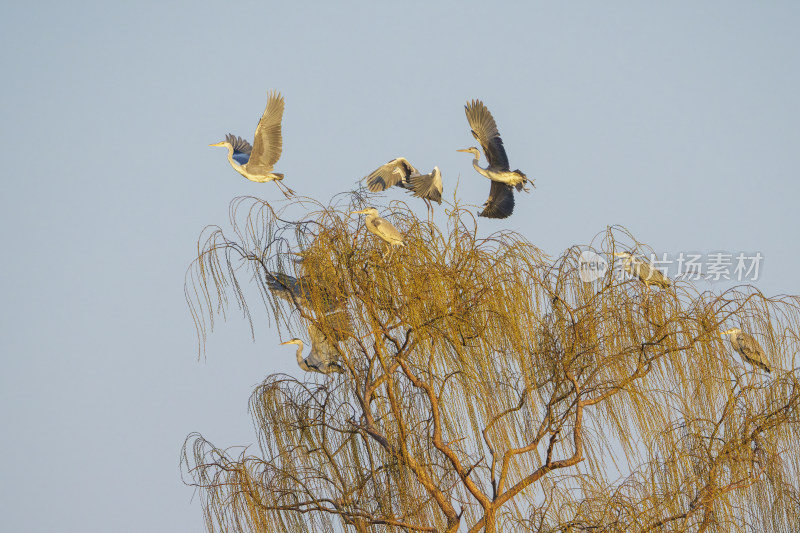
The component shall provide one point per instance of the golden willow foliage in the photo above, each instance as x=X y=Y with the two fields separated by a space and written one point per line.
x=486 y=387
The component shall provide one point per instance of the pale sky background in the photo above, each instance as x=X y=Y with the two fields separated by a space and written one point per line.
x=680 y=121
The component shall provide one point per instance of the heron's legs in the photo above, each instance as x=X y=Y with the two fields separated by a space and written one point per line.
x=430 y=209
x=287 y=192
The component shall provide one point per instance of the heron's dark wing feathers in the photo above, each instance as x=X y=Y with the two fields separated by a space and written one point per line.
x=427 y=186
x=484 y=129
x=268 y=142
x=500 y=203
x=285 y=286
x=239 y=145
x=394 y=172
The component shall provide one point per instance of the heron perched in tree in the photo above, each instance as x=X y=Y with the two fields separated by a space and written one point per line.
x=323 y=357
x=257 y=161
x=380 y=227
x=646 y=272
x=748 y=348
x=403 y=174
x=501 y=195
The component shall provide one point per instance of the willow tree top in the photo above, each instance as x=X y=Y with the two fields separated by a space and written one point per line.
x=486 y=386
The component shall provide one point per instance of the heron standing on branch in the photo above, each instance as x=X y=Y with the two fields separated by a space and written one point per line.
x=403 y=174
x=501 y=195
x=256 y=162
x=646 y=272
x=748 y=348
x=323 y=357
x=380 y=227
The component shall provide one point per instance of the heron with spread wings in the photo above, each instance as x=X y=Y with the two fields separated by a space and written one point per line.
x=255 y=162
x=300 y=292
x=501 y=194
x=403 y=174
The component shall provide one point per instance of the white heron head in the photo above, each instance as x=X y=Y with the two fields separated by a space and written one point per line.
x=368 y=211
x=626 y=255
x=731 y=331
x=474 y=151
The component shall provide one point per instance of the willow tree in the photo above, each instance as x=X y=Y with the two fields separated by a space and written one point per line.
x=487 y=388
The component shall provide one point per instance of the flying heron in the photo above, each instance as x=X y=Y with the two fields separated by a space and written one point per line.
x=323 y=357
x=403 y=174
x=748 y=348
x=380 y=227
x=256 y=162
x=501 y=195
x=647 y=273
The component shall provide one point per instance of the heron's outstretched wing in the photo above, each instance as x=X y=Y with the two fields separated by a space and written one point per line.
x=339 y=324
x=268 y=142
x=428 y=186
x=285 y=286
x=390 y=174
x=301 y=291
x=500 y=203
x=386 y=230
x=752 y=351
x=484 y=129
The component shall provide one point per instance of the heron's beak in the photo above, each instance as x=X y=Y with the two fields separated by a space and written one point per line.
x=358 y=212
x=287 y=342
x=217 y=144
x=616 y=254
x=728 y=332
x=464 y=150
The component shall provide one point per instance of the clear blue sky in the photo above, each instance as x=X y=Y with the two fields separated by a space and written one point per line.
x=680 y=121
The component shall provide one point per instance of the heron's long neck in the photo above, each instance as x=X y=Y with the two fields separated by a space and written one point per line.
x=300 y=361
x=233 y=163
x=479 y=168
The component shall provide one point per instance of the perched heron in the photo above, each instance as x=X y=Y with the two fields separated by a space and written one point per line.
x=380 y=227
x=256 y=162
x=403 y=174
x=643 y=270
x=748 y=348
x=323 y=357
x=501 y=195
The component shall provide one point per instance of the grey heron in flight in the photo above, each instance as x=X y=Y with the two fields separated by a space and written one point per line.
x=323 y=357
x=748 y=348
x=403 y=174
x=383 y=229
x=647 y=273
x=257 y=161
x=501 y=195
